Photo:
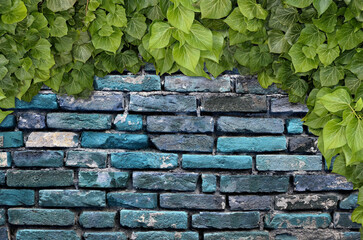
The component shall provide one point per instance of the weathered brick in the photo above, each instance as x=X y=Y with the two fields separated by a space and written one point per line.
x=114 y=140
x=250 y=84
x=31 y=234
x=4 y=233
x=197 y=84
x=41 y=217
x=104 y=236
x=132 y=200
x=294 y=126
x=128 y=122
x=306 y=202
x=344 y=220
x=86 y=159
x=97 y=179
x=31 y=121
x=282 y=105
x=79 y=121
x=16 y=197
x=245 y=103
x=149 y=67
x=29 y=158
x=185 y=143
x=165 y=181
x=161 y=103
x=173 y=124
x=216 y=161
x=285 y=237
x=349 y=202
x=209 y=183
x=133 y=83
x=8 y=123
x=52 y=139
x=72 y=198
x=39 y=178
x=303 y=144
x=97 y=219
x=237 y=235
x=2 y=217
x=5 y=159
x=253 y=183
x=40 y=101
x=165 y=235
x=351 y=236
x=235 y=220
x=144 y=160
x=288 y=162
x=251 y=144
x=250 y=125
x=192 y=201
x=297 y=220
x=11 y=139
x=154 y=219
x=2 y=177
x=250 y=202
x=321 y=183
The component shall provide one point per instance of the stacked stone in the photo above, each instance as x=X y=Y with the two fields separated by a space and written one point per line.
x=174 y=158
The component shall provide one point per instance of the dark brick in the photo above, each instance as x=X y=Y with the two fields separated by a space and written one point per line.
x=187 y=124
x=306 y=202
x=321 y=183
x=192 y=201
x=234 y=104
x=235 y=220
x=185 y=143
x=31 y=121
x=344 y=220
x=197 y=84
x=250 y=84
x=31 y=158
x=297 y=220
x=283 y=105
x=250 y=202
x=161 y=103
x=132 y=200
x=250 y=125
x=303 y=144
x=39 y=178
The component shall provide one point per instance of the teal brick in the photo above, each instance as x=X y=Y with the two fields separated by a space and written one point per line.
x=351 y=236
x=29 y=158
x=114 y=140
x=288 y=162
x=5 y=159
x=128 y=122
x=165 y=235
x=349 y=202
x=184 y=143
x=216 y=162
x=294 y=126
x=72 y=198
x=41 y=217
x=40 y=101
x=104 y=236
x=154 y=219
x=97 y=179
x=12 y=139
x=97 y=219
x=297 y=220
x=250 y=125
x=8 y=123
x=4 y=233
x=86 y=159
x=183 y=83
x=144 y=160
x=2 y=217
x=39 y=178
x=234 y=220
x=163 y=103
x=132 y=83
x=344 y=220
x=32 y=234
x=16 y=197
x=237 y=235
x=251 y=144
x=209 y=183
x=192 y=201
x=79 y=121
x=132 y=200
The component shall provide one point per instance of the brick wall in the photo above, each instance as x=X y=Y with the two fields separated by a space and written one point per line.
x=168 y=158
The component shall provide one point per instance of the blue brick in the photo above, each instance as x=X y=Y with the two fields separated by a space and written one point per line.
x=344 y=220
x=187 y=124
x=40 y=101
x=250 y=202
x=128 y=122
x=192 y=201
x=105 y=236
x=161 y=103
x=236 y=235
x=97 y=219
x=28 y=120
x=2 y=177
x=39 y=178
x=86 y=159
x=97 y=179
x=149 y=67
x=114 y=140
x=283 y=105
x=294 y=126
x=349 y=202
x=154 y=219
x=216 y=162
x=2 y=217
x=132 y=83
x=31 y=158
x=8 y=123
x=184 y=143
x=197 y=84
x=209 y=183
x=79 y=121
x=72 y=198
x=234 y=220
x=3 y=233
x=31 y=234
x=297 y=220
x=321 y=183
x=144 y=160
x=12 y=139
x=165 y=235
x=251 y=144
x=132 y=200
x=5 y=159
x=250 y=125
x=351 y=236
x=41 y=217
x=16 y=197
x=306 y=202
x=288 y=163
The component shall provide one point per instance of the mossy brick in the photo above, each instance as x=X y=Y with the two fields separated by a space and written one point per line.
x=184 y=143
x=98 y=179
x=216 y=162
x=154 y=219
x=31 y=158
x=209 y=183
x=253 y=183
x=251 y=144
x=89 y=219
x=31 y=120
x=344 y=220
x=5 y=159
x=144 y=160
x=31 y=234
x=2 y=217
x=8 y=123
x=283 y=105
x=192 y=201
x=104 y=236
x=250 y=84
x=72 y=198
x=132 y=200
x=306 y=202
x=86 y=159
x=315 y=183
x=252 y=202
x=165 y=235
x=250 y=125
x=233 y=220
x=39 y=178
x=258 y=235
x=114 y=140
x=39 y=102
x=40 y=217
x=349 y=202
x=128 y=122
x=132 y=83
x=247 y=103
x=350 y=236
x=79 y=121
x=289 y=162
x=11 y=139
x=17 y=197
x=174 y=124
x=165 y=181
x=297 y=220
x=294 y=126
x=163 y=103
x=52 y=139
x=180 y=83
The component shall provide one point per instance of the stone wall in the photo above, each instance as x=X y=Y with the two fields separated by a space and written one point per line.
x=168 y=158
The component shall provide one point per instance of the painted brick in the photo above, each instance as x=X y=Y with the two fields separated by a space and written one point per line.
x=185 y=143
x=297 y=220
x=282 y=105
x=161 y=103
x=154 y=219
x=40 y=101
x=237 y=235
x=114 y=140
x=52 y=139
x=351 y=236
x=132 y=200
x=235 y=220
x=16 y=197
x=29 y=158
x=250 y=84
x=105 y=236
x=31 y=121
x=8 y=123
x=209 y=183
x=192 y=201
x=321 y=183
x=253 y=183
x=97 y=179
x=250 y=202
x=72 y=198
x=97 y=219
x=216 y=162
x=250 y=125
x=2 y=217
x=133 y=83
x=5 y=159
x=288 y=162
x=128 y=122
x=11 y=139
x=294 y=126
x=41 y=217
x=144 y=160
x=306 y=202
x=234 y=104
x=39 y=178
x=31 y=234
x=79 y=121
x=349 y=202
x=251 y=144
x=165 y=181
x=86 y=159
x=173 y=124
x=344 y=220
x=197 y=84
x=303 y=144
x=165 y=235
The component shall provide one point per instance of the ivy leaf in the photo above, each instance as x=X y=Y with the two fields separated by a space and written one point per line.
x=4 y=114
x=300 y=61
x=136 y=26
x=299 y=3
x=41 y=49
x=357 y=215
x=309 y=52
x=359 y=105
x=215 y=9
x=59 y=27
x=251 y=9
x=352 y=82
x=236 y=21
x=200 y=37
x=330 y=75
x=60 y=5
x=337 y=101
x=83 y=52
x=322 y=5
x=356 y=65
x=165 y=64
x=334 y=135
x=286 y=15
x=311 y=36
x=110 y=43
x=81 y=77
x=348 y=37
x=293 y=33
x=277 y=42
x=117 y=18
x=181 y=18
x=215 y=54
x=17 y=13
x=328 y=20
x=160 y=35
x=186 y=56
x=265 y=78
x=354 y=135
x=327 y=55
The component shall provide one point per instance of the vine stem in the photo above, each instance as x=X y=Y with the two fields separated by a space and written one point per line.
x=87 y=6
x=355 y=113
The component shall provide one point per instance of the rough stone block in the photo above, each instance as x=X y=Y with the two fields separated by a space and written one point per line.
x=128 y=122
x=144 y=160
x=294 y=126
x=165 y=235
x=104 y=236
x=97 y=179
x=282 y=105
x=250 y=202
x=132 y=200
x=114 y=140
x=29 y=120
x=297 y=220
x=41 y=217
x=306 y=202
x=288 y=163
x=86 y=159
x=315 y=183
x=40 y=101
x=173 y=124
x=31 y=234
x=197 y=84
x=209 y=183
x=251 y=144
x=250 y=125
x=258 y=235
x=97 y=219
x=245 y=103
x=5 y=159
x=185 y=143
x=16 y=197
x=344 y=220
x=303 y=144
x=349 y=202
x=52 y=139
x=132 y=83
x=11 y=139
x=79 y=121
x=30 y=158
x=72 y=198
x=192 y=201
x=39 y=178
x=161 y=103
x=216 y=162
x=235 y=220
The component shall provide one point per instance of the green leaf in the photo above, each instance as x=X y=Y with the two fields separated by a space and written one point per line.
x=215 y=54
x=348 y=37
x=309 y=52
x=330 y=75
x=337 y=101
x=277 y=42
x=59 y=27
x=81 y=78
x=111 y=43
x=354 y=134
x=41 y=49
x=286 y=15
x=334 y=135
x=165 y=64
x=359 y=105
x=4 y=114
x=82 y=52
x=60 y=5
x=160 y=35
x=299 y=3
x=327 y=55
x=352 y=82
x=236 y=21
x=356 y=65
x=300 y=61
x=328 y=20
x=311 y=36
x=265 y=79
x=186 y=56
x=250 y=9
x=17 y=13
x=357 y=215
x=136 y=26
x=181 y=18
x=215 y=9
x=322 y=5
x=200 y=37
x=117 y=18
